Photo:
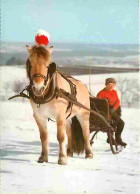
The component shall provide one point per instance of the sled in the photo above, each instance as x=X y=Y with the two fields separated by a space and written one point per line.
x=99 y=122
x=101 y=106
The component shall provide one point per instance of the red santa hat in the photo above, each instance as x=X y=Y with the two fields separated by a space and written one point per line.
x=42 y=38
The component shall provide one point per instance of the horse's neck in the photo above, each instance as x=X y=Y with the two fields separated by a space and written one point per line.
x=62 y=82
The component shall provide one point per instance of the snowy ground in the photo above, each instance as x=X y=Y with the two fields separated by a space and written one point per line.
x=104 y=174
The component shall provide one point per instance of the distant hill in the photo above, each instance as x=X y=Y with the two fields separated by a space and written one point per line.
x=77 y=55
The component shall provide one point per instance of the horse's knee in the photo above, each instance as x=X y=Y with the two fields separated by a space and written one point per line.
x=43 y=136
x=60 y=136
x=61 y=125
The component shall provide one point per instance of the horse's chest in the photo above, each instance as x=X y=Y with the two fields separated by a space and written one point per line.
x=45 y=111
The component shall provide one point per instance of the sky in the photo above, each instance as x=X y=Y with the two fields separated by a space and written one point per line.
x=79 y=21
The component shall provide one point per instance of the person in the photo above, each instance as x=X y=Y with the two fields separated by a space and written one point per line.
x=111 y=95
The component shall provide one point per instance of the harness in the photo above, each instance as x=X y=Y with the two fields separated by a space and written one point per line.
x=52 y=89
x=72 y=95
x=54 y=92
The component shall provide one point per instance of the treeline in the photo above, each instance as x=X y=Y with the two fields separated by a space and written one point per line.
x=15 y=61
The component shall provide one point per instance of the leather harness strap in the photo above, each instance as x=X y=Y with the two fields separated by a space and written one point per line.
x=56 y=92
x=62 y=94
x=51 y=94
x=73 y=93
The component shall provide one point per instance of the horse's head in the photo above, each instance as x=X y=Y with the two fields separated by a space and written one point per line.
x=37 y=68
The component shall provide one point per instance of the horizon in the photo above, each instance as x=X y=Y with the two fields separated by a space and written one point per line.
x=86 y=43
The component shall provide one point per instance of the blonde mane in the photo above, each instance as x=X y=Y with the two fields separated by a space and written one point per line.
x=40 y=51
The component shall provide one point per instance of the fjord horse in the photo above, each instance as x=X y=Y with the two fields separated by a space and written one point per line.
x=56 y=109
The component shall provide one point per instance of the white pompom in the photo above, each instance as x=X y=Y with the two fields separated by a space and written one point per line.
x=43 y=32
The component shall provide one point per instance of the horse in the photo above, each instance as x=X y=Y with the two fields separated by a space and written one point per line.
x=42 y=78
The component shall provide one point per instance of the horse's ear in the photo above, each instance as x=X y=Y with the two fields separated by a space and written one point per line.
x=50 y=49
x=28 y=48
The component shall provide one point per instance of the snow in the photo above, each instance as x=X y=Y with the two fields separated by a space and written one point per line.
x=104 y=174
x=96 y=81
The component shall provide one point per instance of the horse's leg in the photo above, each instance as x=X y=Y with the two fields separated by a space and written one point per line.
x=61 y=129
x=42 y=125
x=84 y=121
x=69 y=135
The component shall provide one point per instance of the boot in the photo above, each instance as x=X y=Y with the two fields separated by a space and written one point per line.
x=119 y=141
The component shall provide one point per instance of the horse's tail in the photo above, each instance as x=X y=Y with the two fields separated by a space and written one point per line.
x=78 y=143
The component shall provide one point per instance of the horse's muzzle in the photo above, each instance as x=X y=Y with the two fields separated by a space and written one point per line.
x=38 y=91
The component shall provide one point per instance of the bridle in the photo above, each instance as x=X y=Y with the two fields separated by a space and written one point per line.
x=51 y=70
x=40 y=75
x=36 y=75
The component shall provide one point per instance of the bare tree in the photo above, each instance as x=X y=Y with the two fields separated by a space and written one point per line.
x=122 y=86
x=132 y=95
x=18 y=86
x=129 y=89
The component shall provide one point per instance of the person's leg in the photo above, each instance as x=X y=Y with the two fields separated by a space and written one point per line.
x=120 y=127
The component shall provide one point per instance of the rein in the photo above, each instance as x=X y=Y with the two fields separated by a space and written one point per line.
x=66 y=95
x=54 y=92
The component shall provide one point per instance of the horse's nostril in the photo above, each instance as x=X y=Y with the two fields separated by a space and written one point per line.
x=42 y=89
x=34 y=88
x=38 y=91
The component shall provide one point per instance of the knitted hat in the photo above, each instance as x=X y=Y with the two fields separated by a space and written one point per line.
x=42 y=38
x=110 y=80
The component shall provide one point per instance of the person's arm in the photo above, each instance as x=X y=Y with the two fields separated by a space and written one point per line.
x=101 y=94
x=117 y=103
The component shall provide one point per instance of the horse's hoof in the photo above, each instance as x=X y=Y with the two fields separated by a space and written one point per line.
x=69 y=153
x=62 y=161
x=42 y=159
x=89 y=155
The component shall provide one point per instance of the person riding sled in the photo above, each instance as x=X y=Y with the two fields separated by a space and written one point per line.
x=114 y=108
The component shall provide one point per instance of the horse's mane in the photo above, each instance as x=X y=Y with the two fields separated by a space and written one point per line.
x=40 y=51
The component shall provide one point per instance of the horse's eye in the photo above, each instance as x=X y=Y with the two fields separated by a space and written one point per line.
x=30 y=67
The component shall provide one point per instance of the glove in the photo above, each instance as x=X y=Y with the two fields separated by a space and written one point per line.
x=112 y=111
x=119 y=111
x=114 y=114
